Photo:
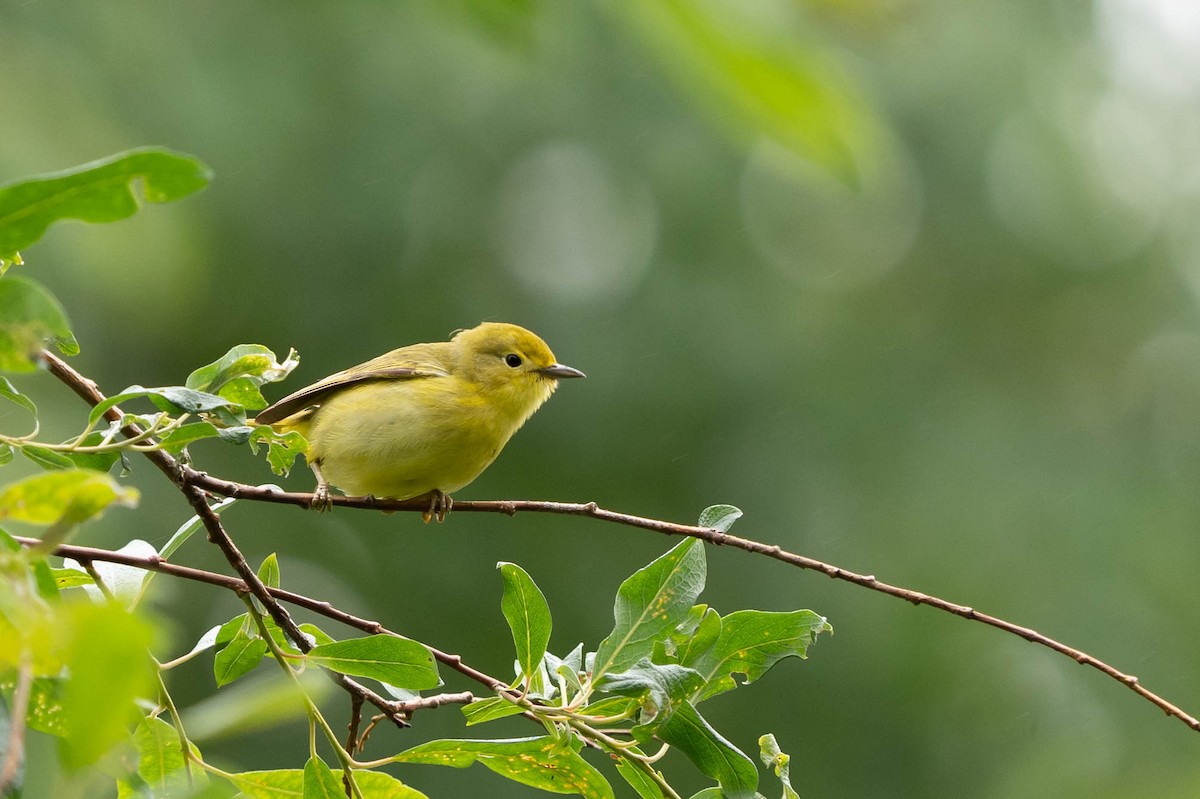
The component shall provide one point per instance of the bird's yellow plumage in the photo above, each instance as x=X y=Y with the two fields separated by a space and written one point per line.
x=422 y=419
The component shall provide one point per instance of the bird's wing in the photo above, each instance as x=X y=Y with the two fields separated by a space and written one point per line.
x=407 y=363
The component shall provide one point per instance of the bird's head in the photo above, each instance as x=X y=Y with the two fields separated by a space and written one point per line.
x=514 y=367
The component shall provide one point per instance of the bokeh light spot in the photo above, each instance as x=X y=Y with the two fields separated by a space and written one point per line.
x=823 y=233
x=568 y=225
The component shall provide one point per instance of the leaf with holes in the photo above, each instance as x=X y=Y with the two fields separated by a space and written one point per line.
x=238 y=374
x=99 y=191
x=750 y=643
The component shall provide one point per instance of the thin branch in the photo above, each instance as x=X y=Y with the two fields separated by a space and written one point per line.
x=154 y=563
x=351 y=746
x=437 y=700
x=718 y=538
x=203 y=482
x=183 y=476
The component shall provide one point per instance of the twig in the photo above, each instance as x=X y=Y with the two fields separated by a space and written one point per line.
x=352 y=726
x=199 y=480
x=718 y=538
x=184 y=476
x=154 y=563
x=437 y=700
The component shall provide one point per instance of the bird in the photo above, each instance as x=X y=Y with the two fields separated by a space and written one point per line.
x=421 y=420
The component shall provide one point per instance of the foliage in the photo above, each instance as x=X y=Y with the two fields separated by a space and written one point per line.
x=76 y=652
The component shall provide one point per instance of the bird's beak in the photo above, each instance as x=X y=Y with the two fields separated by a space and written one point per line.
x=558 y=370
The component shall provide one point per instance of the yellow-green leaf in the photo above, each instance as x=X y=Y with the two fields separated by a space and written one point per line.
x=109 y=666
x=547 y=763
x=99 y=191
x=388 y=658
x=30 y=317
x=289 y=784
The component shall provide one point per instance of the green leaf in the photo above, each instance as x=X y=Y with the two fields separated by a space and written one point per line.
x=281 y=638
x=719 y=517
x=99 y=191
x=180 y=437
x=235 y=435
x=547 y=763
x=567 y=669
x=45 y=498
x=773 y=758
x=49 y=459
x=71 y=578
x=282 y=448
x=172 y=399
x=756 y=84
x=160 y=758
x=750 y=643
x=710 y=793
x=237 y=374
x=704 y=634
x=290 y=784
x=574 y=661
x=30 y=317
x=9 y=392
x=43 y=578
x=268 y=572
x=639 y=780
x=661 y=687
x=687 y=731
x=611 y=706
x=45 y=713
x=62 y=500
x=650 y=603
x=320 y=782
x=496 y=707
x=240 y=656
x=96 y=461
x=528 y=616
x=110 y=667
x=399 y=661
x=6 y=454
x=229 y=630
x=319 y=636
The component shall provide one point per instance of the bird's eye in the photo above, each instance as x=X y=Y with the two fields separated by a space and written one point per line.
x=513 y=360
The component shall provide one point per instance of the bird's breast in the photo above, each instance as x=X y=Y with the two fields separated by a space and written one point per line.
x=404 y=438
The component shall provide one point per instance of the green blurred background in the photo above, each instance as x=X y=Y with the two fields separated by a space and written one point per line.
x=912 y=282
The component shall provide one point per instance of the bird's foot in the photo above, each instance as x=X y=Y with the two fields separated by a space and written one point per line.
x=321 y=502
x=439 y=505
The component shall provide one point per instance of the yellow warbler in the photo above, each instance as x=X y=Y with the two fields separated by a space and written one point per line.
x=425 y=419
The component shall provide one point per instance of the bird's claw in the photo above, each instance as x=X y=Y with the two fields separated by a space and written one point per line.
x=321 y=502
x=439 y=505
